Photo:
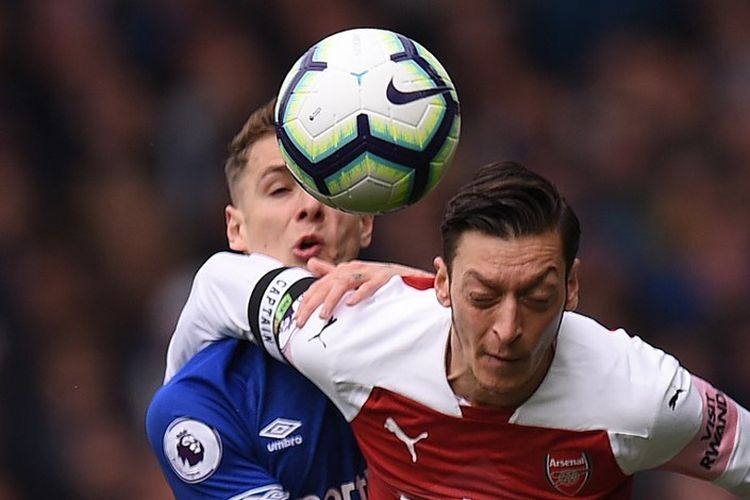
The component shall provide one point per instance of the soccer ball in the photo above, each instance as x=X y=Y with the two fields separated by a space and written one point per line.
x=367 y=121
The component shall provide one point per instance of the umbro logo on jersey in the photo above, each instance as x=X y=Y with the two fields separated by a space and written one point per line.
x=568 y=471
x=280 y=431
x=192 y=448
x=280 y=428
x=411 y=443
x=398 y=97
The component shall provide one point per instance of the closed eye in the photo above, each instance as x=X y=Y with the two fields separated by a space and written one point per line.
x=482 y=301
x=539 y=303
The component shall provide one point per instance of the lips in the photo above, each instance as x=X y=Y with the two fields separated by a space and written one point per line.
x=307 y=247
x=502 y=360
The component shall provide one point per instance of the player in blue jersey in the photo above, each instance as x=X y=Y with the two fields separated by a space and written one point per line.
x=236 y=424
x=232 y=423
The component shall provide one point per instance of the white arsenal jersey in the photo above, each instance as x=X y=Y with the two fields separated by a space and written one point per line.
x=610 y=405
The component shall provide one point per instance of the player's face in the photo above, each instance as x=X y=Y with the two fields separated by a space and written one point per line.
x=274 y=216
x=507 y=298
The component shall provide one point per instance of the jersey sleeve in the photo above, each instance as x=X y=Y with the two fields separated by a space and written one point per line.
x=692 y=429
x=675 y=421
x=719 y=449
x=217 y=305
x=250 y=297
x=199 y=454
x=316 y=349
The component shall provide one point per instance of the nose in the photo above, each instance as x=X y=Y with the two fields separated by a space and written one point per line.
x=309 y=209
x=507 y=326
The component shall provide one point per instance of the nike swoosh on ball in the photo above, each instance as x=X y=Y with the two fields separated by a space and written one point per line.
x=396 y=96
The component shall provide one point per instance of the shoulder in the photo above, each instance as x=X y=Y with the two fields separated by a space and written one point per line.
x=402 y=313
x=191 y=423
x=402 y=319
x=398 y=320
x=233 y=270
x=227 y=261
x=604 y=379
x=203 y=423
x=230 y=373
x=585 y=343
x=203 y=379
x=611 y=381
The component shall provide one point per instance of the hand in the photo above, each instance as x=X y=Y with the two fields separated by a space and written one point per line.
x=365 y=278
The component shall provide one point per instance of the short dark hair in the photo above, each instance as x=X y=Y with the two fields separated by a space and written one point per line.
x=258 y=125
x=507 y=200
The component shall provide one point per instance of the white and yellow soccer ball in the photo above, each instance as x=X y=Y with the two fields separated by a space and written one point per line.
x=368 y=121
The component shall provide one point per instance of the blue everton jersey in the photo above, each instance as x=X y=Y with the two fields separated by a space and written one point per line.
x=234 y=423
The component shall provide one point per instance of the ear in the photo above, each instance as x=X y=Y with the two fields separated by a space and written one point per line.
x=571 y=285
x=442 y=282
x=235 y=223
x=365 y=230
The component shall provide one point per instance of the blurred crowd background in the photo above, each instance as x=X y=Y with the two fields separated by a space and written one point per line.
x=114 y=121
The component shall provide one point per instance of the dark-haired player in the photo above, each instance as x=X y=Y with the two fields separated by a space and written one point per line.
x=487 y=385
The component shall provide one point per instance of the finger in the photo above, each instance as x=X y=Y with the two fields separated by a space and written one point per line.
x=303 y=312
x=319 y=267
x=328 y=290
x=312 y=298
x=332 y=299
x=365 y=291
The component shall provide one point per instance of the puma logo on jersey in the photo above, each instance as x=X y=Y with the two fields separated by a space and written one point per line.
x=673 y=399
x=331 y=321
x=410 y=443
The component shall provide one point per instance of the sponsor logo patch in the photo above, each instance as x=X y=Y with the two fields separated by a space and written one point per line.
x=568 y=471
x=718 y=418
x=193 y=449
x=284 y=325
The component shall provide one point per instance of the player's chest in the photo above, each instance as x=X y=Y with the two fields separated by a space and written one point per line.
x=311 y=449
x=293 y=423
x=417 y=452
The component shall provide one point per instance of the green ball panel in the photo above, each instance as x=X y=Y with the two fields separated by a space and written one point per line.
x=405 y=135
x=370 y=184
x=327 y=143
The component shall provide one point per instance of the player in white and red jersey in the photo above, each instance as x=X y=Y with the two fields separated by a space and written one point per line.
x=487 y=386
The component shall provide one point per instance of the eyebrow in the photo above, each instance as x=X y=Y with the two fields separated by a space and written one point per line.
x=533 y=282
x=273 y=170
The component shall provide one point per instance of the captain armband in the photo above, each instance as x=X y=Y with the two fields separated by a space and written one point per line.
x=273 y=305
